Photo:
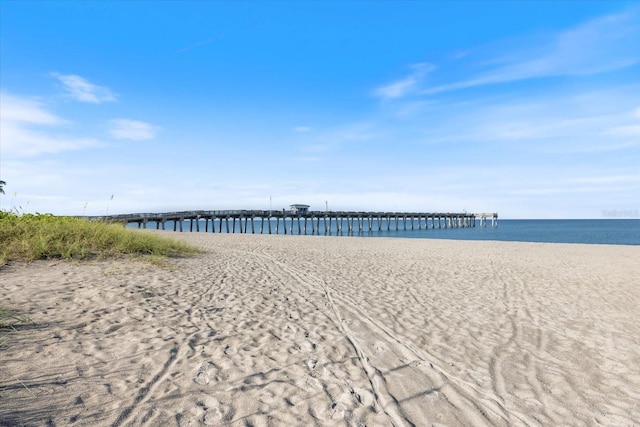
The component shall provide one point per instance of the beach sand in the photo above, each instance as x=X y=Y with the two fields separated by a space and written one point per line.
x=329 y=331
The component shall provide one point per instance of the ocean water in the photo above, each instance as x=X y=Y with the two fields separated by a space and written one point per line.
x=592 y=231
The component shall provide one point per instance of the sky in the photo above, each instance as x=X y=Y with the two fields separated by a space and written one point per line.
x=527 y=109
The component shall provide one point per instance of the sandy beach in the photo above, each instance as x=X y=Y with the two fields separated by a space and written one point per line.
x=329 y=331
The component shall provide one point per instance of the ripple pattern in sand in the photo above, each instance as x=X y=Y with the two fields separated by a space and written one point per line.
x=287 y=330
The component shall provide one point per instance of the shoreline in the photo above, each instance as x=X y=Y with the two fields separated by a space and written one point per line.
x=299 y=330
x=602 y=231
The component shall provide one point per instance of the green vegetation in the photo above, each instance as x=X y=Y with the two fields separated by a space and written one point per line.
x=9 y=317
x=29 y=237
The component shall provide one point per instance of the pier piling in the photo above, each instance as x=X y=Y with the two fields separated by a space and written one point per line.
x=291 y=220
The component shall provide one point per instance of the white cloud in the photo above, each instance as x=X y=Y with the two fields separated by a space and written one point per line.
x=21 y=129
x=604 y=44
x=354 y=132
x=606 y=179
x=81 y=90
x=558 y=122
x=302 y=129
x=633 y=131
x=397 y=89
x=132 y=129
x=26 y=110
x=405 y=86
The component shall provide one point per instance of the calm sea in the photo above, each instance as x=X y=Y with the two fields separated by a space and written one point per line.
x=598 y=231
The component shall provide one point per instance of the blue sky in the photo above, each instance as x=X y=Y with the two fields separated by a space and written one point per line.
x=528 y=109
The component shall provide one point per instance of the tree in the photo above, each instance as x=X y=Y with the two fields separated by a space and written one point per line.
x=2 y=184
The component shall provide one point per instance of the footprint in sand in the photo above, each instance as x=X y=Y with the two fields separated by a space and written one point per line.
x=316 y=368
x=207 y=372
x=208 y=411
x=203 y=374
x=212 y=417
x=346 y=402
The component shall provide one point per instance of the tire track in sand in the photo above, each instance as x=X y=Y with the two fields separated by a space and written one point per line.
x=477 y=406
x=143 y=393
x=382 y=396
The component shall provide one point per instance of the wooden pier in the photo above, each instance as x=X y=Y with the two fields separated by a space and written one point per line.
x=312 y=222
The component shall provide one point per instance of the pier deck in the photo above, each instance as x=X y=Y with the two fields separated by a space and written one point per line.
x=312 y=222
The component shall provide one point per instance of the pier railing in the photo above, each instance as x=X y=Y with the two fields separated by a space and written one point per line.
x=312 y=222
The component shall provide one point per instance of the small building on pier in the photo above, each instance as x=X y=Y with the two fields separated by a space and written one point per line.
x=299 y=209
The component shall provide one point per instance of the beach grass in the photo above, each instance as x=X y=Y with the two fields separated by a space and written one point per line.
x=31 y=237
x=10 y=317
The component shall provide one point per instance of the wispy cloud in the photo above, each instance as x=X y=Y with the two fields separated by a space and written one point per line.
x=132 y=129
x=82 y=90
x=606 y=179
x=351 y=133
x=406 y=85
x=26 y=110
x=25 y=129
x=302 y=129
x=628 y=129
x=198 y=44
x=633 y=131
x=604 y=44
x=570 y=122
